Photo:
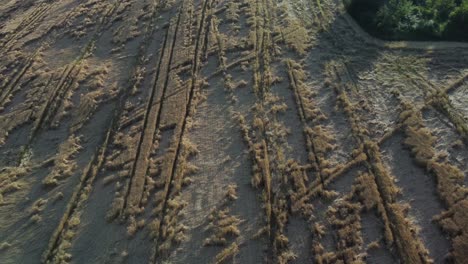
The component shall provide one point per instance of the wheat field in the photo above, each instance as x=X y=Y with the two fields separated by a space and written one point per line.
x=211 y=131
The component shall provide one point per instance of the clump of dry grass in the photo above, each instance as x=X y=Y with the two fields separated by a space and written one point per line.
x=64 y=163
x=58 y=197
x=30 y=70
x=166 y=230
x=277 y=230
x=114 y=211
x=384 y=180
x=82 y=19
x=286 y=257
x=154 y=228
x=450 y=181
x=62 y=103
x=420 y=141
x=126 y=32
x=344 y=216
x=96 y=91
x=441 y=101
x=172 y=234
x=418 y=138
x=278 y=108
x=4 y=246
x=227 y=253
x=232 y=12
x=411 y=247
x=36 y=218
x=320 y=142
x=455 y=221
x=322 y=256
x=366 y=189
x=10 y=121
x=10 y=180
x=38 y=206
x=223 y=226
x=297 y=176
x=134 y=225
x=121 y=157
x=231 y=193
x=295 y=35
x=373 y=245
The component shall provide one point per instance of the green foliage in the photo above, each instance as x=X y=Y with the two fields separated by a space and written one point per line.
x=458 y=21
x=417 y=19
x=399 y=16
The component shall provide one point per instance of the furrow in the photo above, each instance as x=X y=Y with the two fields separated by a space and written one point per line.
x=152 y=119
x=173 y=181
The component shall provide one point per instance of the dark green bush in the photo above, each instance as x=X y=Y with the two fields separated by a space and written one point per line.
x=413 y=19
x=457 y=24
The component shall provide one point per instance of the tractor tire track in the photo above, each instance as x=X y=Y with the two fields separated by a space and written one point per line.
x=202 y=36
x=152 y=119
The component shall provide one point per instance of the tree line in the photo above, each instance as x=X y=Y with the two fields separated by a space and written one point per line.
x=413 y=19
